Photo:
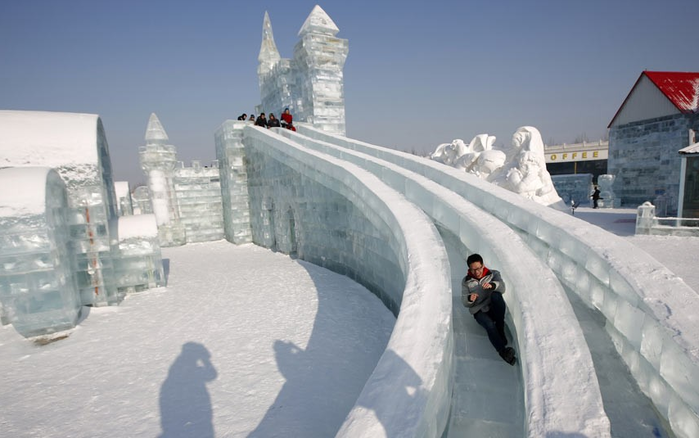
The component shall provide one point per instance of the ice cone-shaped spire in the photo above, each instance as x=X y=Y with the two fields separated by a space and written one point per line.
x=319 y=22
x=155 y=133
x=269 y=55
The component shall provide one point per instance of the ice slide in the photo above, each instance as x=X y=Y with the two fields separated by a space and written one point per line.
x=519 y=409
x=642 y=338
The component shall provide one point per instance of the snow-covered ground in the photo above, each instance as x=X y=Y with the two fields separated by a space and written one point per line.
x=242 y=342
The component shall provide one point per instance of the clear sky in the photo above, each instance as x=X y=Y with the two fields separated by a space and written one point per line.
x=419 y=73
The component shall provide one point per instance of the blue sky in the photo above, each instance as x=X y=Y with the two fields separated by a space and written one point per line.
x=418 y=73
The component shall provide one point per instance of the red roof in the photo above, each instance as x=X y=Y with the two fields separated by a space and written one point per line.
x=681 y=88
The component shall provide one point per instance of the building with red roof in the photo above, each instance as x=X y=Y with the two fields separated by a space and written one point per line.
x=659 y=116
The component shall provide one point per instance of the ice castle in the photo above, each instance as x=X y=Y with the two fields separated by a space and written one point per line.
x=398 y=224
x=310 y=84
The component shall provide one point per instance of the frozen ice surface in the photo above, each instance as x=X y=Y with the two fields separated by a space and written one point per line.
x=38 y=288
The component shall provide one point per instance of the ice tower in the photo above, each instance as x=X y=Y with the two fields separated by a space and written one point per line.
x=158 y=161
x=269 y=55
x=311 y=84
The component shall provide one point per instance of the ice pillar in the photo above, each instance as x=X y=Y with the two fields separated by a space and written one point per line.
x=319 y=58
x=158 y=161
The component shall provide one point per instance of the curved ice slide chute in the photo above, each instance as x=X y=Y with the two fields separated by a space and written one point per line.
x=560 y=386
x=418 y=360
x=648 y=311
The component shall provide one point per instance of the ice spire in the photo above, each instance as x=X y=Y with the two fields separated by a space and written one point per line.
x=319 y=22
x=155 y=133
x=269 y=55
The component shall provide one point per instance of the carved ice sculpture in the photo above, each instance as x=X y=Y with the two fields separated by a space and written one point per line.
x=521 y=169
x=607 y=197
x=524 y=171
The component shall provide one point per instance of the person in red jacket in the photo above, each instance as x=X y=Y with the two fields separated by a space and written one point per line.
x=287 y=118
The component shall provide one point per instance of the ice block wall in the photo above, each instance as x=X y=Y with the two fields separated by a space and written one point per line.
x=75 y=146
x=648 y=310
x=230 y=154
x=339 y=216
x=38 y=289
x=198 y=192
x=466 y=226
x=139 y=264
x=574 y=188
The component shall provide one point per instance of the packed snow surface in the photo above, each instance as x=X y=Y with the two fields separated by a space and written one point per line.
x=23 y=191
x=242 y=341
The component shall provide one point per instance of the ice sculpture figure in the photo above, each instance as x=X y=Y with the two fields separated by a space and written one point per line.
x=139 y=265
x=74 y=145
x=465 y=157
x=605 y=183
x=488 y=162
x=158 y=160
x=123 y=198
x=311 y=84
x=449 y=153
x=524 y=171
x=38 y=288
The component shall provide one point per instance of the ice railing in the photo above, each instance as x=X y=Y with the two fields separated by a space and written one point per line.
x=422 y=336
x=523 y=272
x=650 y=313
x=648 y=223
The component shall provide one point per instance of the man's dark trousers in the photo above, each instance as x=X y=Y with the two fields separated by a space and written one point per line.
x=493 y=321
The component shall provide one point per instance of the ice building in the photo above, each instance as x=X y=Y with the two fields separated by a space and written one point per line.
x=186 y=201
x=38 y=285
x=659 y=116
x=47 y=253
x=311 y=83
x=75 y=146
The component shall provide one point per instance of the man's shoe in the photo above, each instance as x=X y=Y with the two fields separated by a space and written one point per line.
x=508 y=355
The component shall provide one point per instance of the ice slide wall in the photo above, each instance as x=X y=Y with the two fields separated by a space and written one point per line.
x=271 y=190
x=474 y=230
x=649 y=311
x=337 y=215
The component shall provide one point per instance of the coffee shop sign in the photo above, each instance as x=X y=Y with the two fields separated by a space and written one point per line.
x=576 y=156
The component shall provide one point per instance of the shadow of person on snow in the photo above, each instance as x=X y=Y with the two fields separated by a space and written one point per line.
x=185 y=404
